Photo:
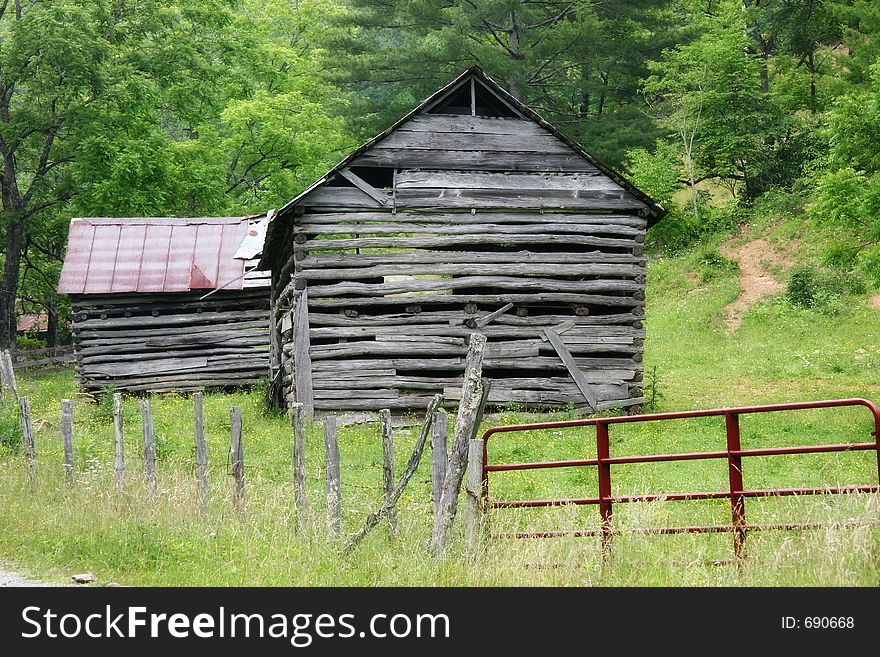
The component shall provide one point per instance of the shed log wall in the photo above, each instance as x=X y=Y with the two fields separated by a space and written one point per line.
x=171 y=342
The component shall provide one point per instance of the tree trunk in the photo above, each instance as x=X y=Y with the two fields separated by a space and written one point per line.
x=9 y=284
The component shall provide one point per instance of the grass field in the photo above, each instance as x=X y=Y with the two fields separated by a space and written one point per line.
x=778 y=354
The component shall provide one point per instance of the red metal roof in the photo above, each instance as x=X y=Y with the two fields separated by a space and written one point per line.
x=106 y=256
x=33 y=323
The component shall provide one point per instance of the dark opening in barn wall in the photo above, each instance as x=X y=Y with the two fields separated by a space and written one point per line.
x=491 y=221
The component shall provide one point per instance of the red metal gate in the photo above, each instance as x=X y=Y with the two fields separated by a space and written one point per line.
x=734 y=454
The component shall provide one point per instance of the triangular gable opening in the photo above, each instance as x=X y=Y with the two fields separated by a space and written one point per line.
x=472 y=98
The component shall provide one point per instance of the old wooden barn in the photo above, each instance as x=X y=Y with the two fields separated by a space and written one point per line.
x=471 y=213
x=141 y=317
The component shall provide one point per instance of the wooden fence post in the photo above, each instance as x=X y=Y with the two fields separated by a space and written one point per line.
x=27 y=433
x=119 y=460
x=388 y=468
x=439 y=454
x=7 y=374
x=237 y=458
x=67 y=437
x=473 y=397
x=297 y=419
x=334 y=494
x=149 y=447
x=474 y=490
x=201 y=447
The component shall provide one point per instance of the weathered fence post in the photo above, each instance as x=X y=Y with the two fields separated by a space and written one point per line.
x=388 y=468
x=439 y=454
x=7 y=374
x=474 y=490
x=27 y=434
x=67 y=437
x=149 y=446
x=119 y=459
x=376 y=517
x=473 y=397
x=297 y=419
x=201 y=447
x=334 y=494
x=237 y=458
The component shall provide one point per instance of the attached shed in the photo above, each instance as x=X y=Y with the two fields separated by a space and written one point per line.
x=141 y=317
x=471 y=213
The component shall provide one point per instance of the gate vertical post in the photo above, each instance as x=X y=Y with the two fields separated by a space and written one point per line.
x=603 y=452
x=734 y=472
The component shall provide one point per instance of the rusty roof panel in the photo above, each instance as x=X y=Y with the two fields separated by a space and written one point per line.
x=129 y=255
x=206 y=256
x=107 y=255
x=101 y=268
x=76 y=263
x=180 y=258
x=155 y=264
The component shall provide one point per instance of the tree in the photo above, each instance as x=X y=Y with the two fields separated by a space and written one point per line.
x=577 y=62
x=157 y=107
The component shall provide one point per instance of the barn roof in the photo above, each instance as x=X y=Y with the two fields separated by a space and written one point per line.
x=113 y=255
x=655 y=210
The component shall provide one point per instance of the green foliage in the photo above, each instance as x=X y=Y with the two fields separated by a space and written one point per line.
x=713 y=265
x=823 y=288
x=10 y=425
x=653 y=389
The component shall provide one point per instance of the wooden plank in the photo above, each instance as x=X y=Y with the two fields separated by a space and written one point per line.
x=396 y=348
x=522 y=199
x=475 y=269
x=243 y=328
x=27 y=435
x=439 y=437
x=459 y=240
x=498 y=282
x=413 y=228
x=379 y=196
x=455 y=317
x=621 y=367
x=302 y=363
x=507 y=160
x=119 y=441
x=326 y=196
x=66 y=429
x=331 y=460
x=473 y=497
x=297 y=420
x=466 y=426
x=345 y=260
x=457 y=123
x=149 y=447
x=171 y=320
x=534 y=298
x=423 y=179
x=459 y=333
x=388 y=469
x=201 y=447
x=237 y=456
x=416 y=139
x=570 y=364
x=480 y=217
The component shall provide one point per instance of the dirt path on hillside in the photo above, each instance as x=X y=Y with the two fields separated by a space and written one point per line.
x=874 y=301
x=755 y=259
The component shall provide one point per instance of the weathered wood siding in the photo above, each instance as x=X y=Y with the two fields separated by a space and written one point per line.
x=482 y=212
x=172 y=341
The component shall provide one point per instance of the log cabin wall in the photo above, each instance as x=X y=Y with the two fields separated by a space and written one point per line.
x=468 y=216
x=171 y=342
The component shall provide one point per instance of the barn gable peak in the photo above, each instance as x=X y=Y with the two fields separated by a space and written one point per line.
x=465 y=105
